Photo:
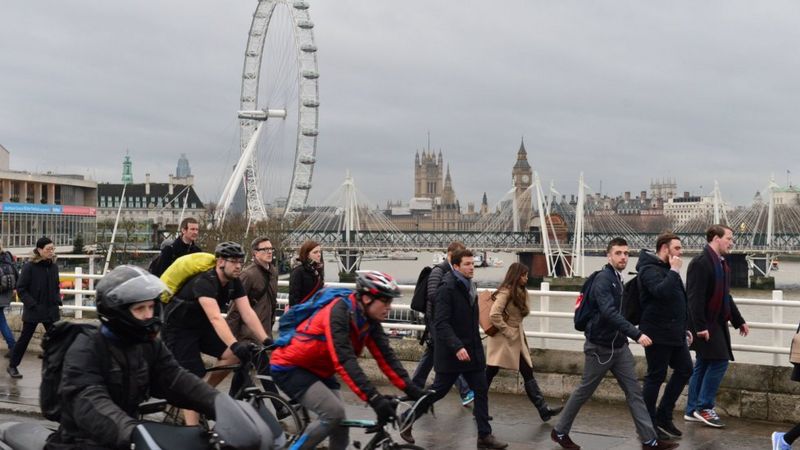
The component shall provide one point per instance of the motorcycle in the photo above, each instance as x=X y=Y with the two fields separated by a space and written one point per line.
x=238 y=426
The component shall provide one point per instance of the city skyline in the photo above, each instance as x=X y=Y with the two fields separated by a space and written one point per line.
x=625 y=92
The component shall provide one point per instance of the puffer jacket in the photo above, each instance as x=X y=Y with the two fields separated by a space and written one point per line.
x=664 y=303
x=38 y=290
x=103 y=382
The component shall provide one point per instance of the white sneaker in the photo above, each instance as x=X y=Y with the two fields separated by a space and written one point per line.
x=690 y=418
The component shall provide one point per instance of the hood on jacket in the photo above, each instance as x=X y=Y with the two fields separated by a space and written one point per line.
x=37 y=258
x=648 y=258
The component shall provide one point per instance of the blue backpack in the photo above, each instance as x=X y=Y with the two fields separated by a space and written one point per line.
x=584 y=306
x=291 y=320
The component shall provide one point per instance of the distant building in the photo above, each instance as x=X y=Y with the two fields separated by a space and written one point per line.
x=689 y=207
x=147 y=208
x=183 y=170
x=60 y=207
x=789 y=196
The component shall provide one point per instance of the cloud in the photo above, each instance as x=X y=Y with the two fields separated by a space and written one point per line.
x=625 y=92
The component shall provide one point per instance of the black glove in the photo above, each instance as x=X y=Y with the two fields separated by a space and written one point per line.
x=414 y=392
x=268 y=342
x=383 y=408
x=242 y=351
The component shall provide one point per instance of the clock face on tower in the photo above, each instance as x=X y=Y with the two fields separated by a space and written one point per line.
x=526 y=178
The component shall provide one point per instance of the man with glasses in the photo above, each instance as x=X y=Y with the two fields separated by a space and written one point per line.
x=38 y=290
x=194 y=324
x=260 y=282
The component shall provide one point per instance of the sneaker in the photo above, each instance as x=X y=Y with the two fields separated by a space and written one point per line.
x=659 y=445
x=668 y=427
x=490 y=441
x=563 y=440
x=662 y=435
x=709 y=417
x=406 y=435
x=13 y=372
x=469 y=398
x=778 y=443
x=690 y=418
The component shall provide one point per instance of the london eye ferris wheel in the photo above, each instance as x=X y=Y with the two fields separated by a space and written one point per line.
x=278 y=116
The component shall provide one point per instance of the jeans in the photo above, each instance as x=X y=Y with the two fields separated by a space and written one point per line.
x=5 y=330
x=659 y=357
x=424 y=368
x=704 y=384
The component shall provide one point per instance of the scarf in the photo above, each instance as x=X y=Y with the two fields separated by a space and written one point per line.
x=720 y=301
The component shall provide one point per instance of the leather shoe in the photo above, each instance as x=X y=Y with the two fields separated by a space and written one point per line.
x=13 y=372
x=660 y=445
x=489 y=441
x=564 y=441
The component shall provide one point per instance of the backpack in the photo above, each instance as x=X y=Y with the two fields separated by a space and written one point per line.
x=419 y=301
x=8 y=273
x=183 y=269
x=631 y=307
x=291 y=320
x=584 y=306
x=55 y=344
x=154 y=263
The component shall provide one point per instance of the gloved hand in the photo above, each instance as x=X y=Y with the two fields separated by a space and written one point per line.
x=414 y=392
x=242 y=351
x=383 y=408
x=268 y=342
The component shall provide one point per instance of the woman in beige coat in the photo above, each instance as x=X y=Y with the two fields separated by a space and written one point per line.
x=508 y=348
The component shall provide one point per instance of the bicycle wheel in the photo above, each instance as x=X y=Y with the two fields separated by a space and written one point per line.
x=288 y=417
x=395 y=446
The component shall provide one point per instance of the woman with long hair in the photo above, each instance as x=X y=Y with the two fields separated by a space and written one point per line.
x=508 y=348
x=308 y=275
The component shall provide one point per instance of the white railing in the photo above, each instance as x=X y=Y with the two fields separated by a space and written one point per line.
x=778 y=347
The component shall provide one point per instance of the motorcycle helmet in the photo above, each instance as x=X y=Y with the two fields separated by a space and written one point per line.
x=121 y=288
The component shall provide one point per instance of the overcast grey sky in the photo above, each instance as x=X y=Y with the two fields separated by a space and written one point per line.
x=625 y=91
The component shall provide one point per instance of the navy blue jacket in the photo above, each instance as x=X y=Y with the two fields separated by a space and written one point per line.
x=608 y=328
x=664 y=303
x=456 y=325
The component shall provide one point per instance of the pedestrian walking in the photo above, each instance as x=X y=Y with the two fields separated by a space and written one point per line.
x=38 y=289
x=308 y=275
x=9 y=275
x=508 y=348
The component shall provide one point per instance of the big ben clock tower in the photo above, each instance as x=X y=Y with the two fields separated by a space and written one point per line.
x=521 y=176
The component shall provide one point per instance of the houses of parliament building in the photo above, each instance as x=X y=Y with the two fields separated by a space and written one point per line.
x=435 y=206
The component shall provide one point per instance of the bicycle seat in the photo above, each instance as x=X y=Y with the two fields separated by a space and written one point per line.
x=24 y=435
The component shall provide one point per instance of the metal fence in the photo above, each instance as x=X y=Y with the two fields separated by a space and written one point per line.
x=551 y=305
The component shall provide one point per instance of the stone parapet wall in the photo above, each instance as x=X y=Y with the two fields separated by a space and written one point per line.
x=748 y=391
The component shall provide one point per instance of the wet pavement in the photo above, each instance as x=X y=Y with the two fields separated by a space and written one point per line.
x=598 y=426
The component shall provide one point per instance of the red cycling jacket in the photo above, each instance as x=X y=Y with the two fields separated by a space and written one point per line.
x=330 y=341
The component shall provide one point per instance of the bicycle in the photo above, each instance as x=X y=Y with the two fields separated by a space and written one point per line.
x=382 y=439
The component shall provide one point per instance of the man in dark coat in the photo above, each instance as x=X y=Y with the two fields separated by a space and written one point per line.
x=457 y=343
x=181 y=246
x=664 y=319
x=425 y=364
x=606 y=349
x=711 y=307
x=38 y=289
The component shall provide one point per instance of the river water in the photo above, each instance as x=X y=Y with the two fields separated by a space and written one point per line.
x=787 y=279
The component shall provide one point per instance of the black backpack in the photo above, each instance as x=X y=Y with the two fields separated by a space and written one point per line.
x=153 y=266
x=584 y=306
x=55 y=344
x=631 y=307
x=419 y=301
x=8 y=273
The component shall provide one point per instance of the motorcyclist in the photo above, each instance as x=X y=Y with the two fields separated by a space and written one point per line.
x=330 y=342
x=106 y=375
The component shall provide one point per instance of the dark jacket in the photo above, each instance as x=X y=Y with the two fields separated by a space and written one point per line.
x=261 y=286
x=7 y=260
x=434 y=281
x=455 y=325
x=38 y=290
x=307 y=278
x=699 y=289
x=172 y=252
x=608 y=328
x=104 y=381
x=665 y=312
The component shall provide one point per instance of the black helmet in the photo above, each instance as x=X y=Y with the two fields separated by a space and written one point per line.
x=376 y=284
x=121 y=288
x=229 y=250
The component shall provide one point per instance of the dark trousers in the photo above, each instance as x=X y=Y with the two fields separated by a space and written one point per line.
x=28 y=328
x=524 y=369
x=659 y=357
x=241 y=379
x=476 y=380
x=424 y=368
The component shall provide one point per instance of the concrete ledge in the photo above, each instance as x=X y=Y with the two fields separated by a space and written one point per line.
x=748 y=391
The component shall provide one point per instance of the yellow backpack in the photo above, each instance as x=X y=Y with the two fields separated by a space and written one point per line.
x=184 y=268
